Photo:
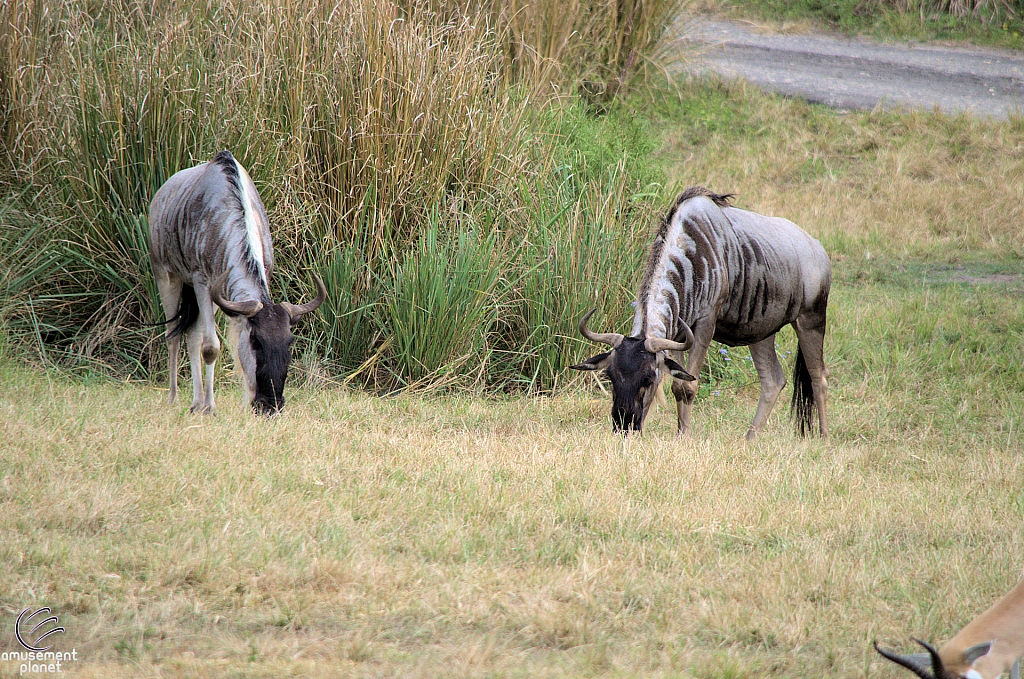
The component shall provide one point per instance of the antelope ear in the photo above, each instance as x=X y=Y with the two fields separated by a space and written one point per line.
x=972 y=654
x=677 y=371
x=599 y=362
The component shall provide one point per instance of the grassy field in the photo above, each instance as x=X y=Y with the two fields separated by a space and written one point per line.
x=419 y=536
x=891 y=184
x=483 y=532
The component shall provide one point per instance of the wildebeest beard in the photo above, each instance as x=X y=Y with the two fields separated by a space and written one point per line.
x=632 y=372
x=271 y=339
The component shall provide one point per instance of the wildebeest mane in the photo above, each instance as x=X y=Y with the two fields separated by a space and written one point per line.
x=227 y=164
x=658 y=245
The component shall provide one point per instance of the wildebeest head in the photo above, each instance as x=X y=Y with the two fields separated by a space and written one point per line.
x=930 y=665
x=265 y=343
x=636 y=366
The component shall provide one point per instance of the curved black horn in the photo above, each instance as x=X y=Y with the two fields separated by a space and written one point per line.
x=248 y=308
x=297 y=311
x=613 y=339
x=913 y=662
x=938 y=668
x=656 y=344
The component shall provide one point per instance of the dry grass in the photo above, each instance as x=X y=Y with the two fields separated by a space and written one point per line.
x=357 y=536
x=880 y=183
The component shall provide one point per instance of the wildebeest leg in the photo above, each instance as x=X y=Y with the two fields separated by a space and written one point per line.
x=685 y=391
x=194 y=340
x=772 y=379
x=208 y=349
x=169 y=287
x=234 y=336
x=810 y=333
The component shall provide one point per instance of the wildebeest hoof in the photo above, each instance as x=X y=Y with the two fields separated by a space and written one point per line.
x=751 y=434
x=200 y=409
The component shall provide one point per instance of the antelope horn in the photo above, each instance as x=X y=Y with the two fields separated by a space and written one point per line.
x=297 y=311
x=938 y=668
x=248 y=308
x=915 y=662
x=656 y=344
x=613 y=339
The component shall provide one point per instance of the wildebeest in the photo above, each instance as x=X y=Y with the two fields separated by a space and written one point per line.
x=987 y=647
x=210 y=244
x=716 y=272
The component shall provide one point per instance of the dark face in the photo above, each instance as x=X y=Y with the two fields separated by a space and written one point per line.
x=270 y=334
x=636 y=376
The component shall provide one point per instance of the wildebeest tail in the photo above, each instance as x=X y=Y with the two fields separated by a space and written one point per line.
x=803 y=408
x=188 y=311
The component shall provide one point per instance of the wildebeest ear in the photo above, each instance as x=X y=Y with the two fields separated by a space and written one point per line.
x=676 y=371
x=599 y=362
x=976 y=651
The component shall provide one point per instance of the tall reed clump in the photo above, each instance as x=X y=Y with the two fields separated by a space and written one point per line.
x=602 y=45
x=586 y=254
x=441 y=308
x=17 y=61
x=398 y=148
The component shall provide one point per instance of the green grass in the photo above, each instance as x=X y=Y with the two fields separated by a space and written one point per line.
x=414 y=535
x=921 y=20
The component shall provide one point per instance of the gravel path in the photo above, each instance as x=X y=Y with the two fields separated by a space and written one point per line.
x=853 y=73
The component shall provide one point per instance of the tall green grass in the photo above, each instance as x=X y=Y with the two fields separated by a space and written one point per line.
x=441 y=305
x=424 y=158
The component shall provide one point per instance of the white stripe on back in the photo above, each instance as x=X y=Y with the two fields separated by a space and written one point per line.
x=252 y=226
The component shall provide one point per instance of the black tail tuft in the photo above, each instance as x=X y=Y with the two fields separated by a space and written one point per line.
x=188 y=312
x=802 y=409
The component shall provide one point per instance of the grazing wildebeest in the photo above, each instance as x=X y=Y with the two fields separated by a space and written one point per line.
x=209 y=240
x=988 y=647
x=719 y=273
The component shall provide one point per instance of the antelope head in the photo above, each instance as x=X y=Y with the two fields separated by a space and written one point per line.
x=932 y=665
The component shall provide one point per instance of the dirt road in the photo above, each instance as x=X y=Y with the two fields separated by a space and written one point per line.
x=858 y=73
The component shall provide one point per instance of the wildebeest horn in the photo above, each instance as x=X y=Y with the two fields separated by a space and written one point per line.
x=611 y=338
x=248 y=308
x=297 y=311
x=656 y=344
x=915 y=662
